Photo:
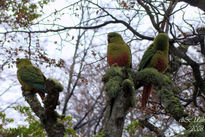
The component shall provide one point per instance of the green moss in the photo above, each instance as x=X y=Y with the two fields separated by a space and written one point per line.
x=118 y=79
x=58 y=85
x=113 y=71
x=151 y=75
x=113 y=79
x=128 y=86
x=113 y=86
x=172 y=104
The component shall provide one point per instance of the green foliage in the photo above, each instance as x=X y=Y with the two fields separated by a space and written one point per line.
x=20 y=13
x=132 y=128
x=195 y=128
x=34 y=128
x=200 y=29
x=4 y=121
x=194 y=134
x=67 y=121
x=101 y=134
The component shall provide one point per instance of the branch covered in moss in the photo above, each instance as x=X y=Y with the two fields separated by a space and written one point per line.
x=120 y=96
x=150 y=75
x=47 y=114
x=172 y=105
x=146 y=123
x=34 y=103
x=164 y=87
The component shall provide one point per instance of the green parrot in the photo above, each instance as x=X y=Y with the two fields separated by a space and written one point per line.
x=31 y=78
x=156 y=56
x=118 y=52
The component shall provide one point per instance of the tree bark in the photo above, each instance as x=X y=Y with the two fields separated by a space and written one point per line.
x=119 y=101
x=115 y=121
x=196 y=3
x=47 y=114
x=165 y=90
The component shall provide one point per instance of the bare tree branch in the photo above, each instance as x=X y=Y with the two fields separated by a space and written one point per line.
x=196 y=3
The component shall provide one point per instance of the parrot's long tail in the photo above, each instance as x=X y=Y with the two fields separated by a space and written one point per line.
x=145 y=95
x=41 y=94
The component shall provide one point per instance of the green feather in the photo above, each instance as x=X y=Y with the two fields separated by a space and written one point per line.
x=32 y=76
x=117 y=46
x=29 y=76
x=147 y=56
x=158 y=49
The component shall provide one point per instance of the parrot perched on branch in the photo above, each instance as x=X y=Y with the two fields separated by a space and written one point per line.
x=118 y=52
x=31 y=78
x=156 y=56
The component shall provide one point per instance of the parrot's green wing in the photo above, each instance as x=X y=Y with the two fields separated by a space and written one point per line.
x=147 y=56
x=32 y=76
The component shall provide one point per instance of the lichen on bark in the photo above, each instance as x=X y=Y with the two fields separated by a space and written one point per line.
x=151 y=75
x=120 y=96
x=165 y=91
x=47 y=114
x=172 y=104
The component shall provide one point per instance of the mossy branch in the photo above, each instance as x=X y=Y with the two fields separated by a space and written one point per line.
x=34 y=103
x=172 y=105
x=165 y=90
x=120 y=96
x=47 y=114
x=151 y=75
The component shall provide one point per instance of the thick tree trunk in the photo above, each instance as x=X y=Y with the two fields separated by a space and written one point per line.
x=120 y=98
x=115 y=121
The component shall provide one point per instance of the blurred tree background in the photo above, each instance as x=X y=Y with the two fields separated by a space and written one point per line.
x=67 y=40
